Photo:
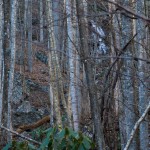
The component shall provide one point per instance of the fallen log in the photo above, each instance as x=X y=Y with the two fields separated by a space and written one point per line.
x=35 y=125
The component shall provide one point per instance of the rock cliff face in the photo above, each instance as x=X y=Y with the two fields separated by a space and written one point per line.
x=17 y=90
x=30 y=101
x=42 y=57
x=29 y=85
x=25 y=110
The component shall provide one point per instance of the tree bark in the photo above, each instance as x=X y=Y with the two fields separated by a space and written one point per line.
x=12 y=63
x=84 y=54
x=30 y=53
x=142 y=68
x=1 y=58
x=41 y=21
x=54 y=66
x=137 y=124
x=71 y=52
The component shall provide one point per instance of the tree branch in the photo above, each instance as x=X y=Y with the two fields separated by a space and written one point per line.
x=22 y=136
x=136 y=127
x=122 y=57
x=129 y=11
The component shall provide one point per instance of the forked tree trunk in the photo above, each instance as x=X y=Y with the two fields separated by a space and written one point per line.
x=89 y=74
x=56 y=83
x=53 y=64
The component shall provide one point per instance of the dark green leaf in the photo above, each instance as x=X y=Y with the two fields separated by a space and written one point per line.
x=7 y=146
x=81 y=147
x=61 y=135
x=75 y=146
x=86 y=143
x=31 y=147
x=92 y=145
x=74 y=134
x=44 y=144
x=21 y=146
x=49 y=130
x=66 y=131
x=50 y=145
x=62 y=145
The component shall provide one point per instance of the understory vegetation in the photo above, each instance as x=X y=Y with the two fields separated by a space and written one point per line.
x=54 y=138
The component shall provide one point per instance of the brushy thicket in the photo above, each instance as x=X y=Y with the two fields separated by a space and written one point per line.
x=55 y=138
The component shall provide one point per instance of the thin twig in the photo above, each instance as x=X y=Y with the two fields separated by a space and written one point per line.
x=122 y=57
x=110 y=68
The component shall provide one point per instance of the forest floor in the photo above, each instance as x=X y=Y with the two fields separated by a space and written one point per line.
x=39 y=75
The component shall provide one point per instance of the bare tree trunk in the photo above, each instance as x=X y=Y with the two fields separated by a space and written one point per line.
x=6 y=9
x=71 y=51
x=89 y=75
x=142 y=68
x=85 y=101
x=56 y=15
x=55 y=74
x=30 y=53
x=137 y=124
x=1 y=59
x=41 y=21
x=12 y=63
x=56 y=21
x=116 y=92
x=78 y=83
x=25 y=17
x=128 y=100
